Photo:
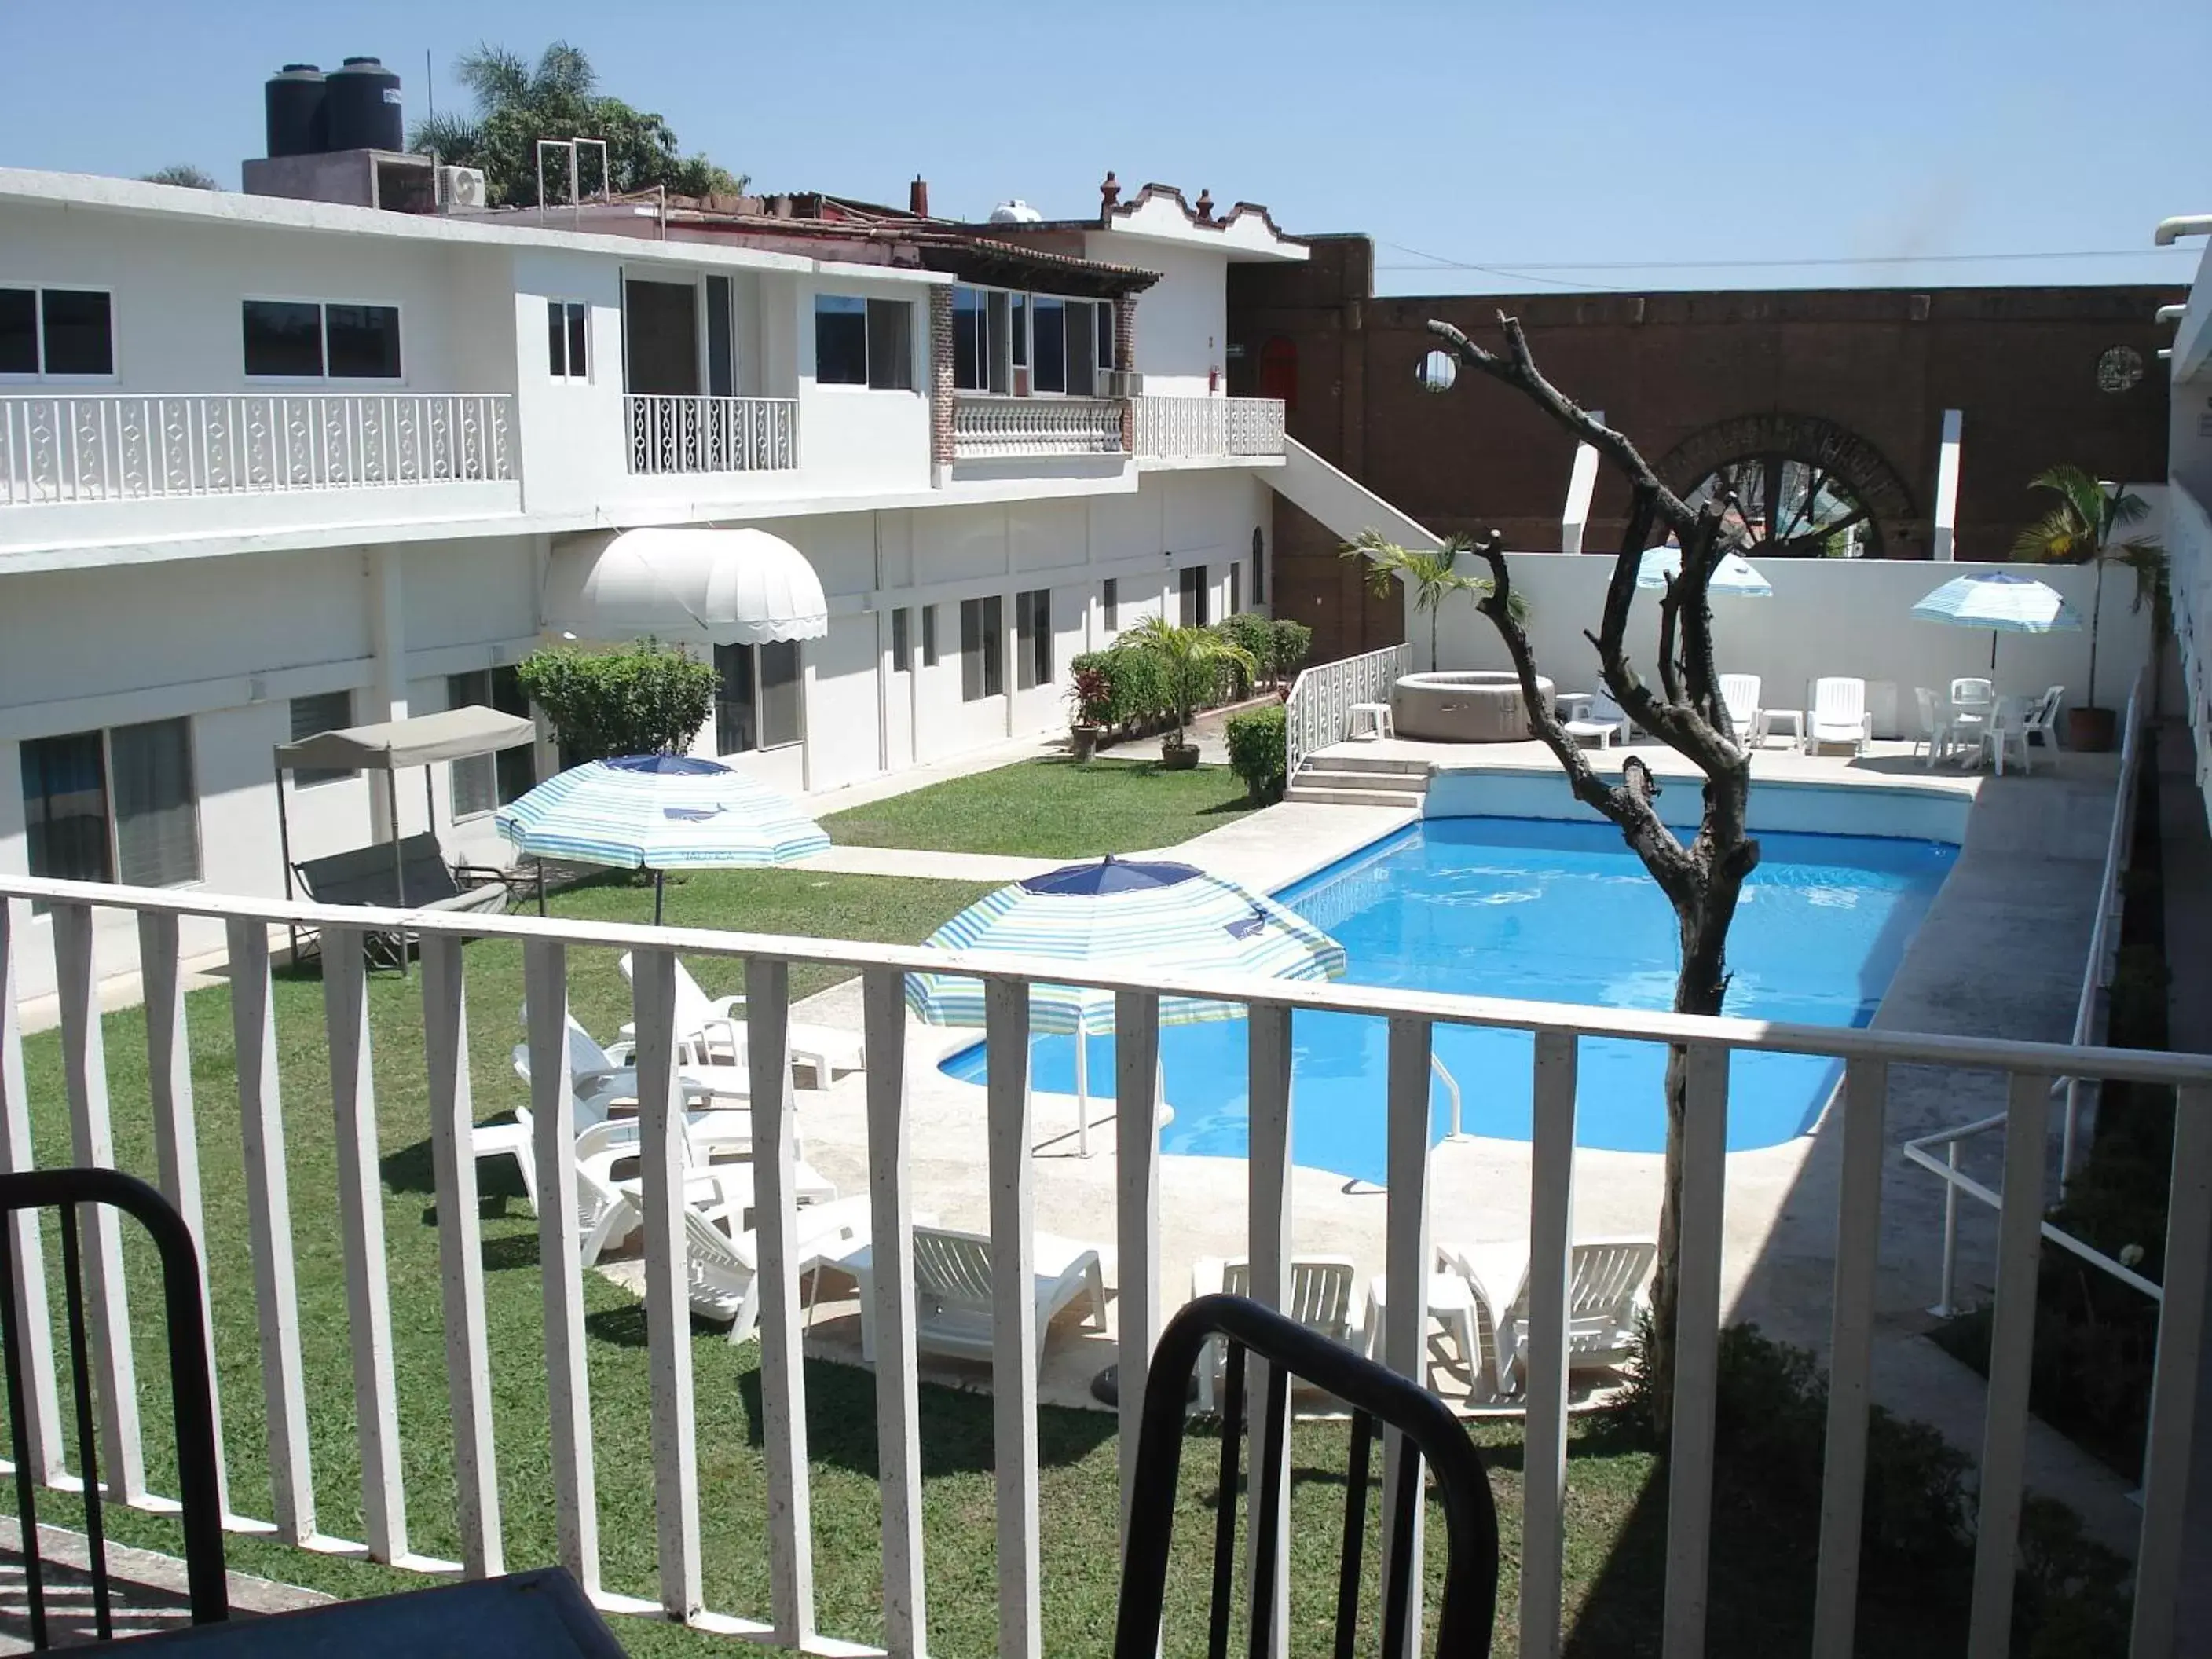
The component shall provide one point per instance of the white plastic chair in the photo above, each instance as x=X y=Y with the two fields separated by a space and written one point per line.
x=952 y=1279
x=1457 y=1305
x=711 y=1031
x=722 y=1271
x=1321 y=1300
x=1972 y=692
x=2042 y=723
x=1607 y=1282
x=1740 y=693
x=1838 y=715
x=601 y=1077
x=1935 y=726
x=1603 y=720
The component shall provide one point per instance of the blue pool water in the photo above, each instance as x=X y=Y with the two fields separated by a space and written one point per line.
x=1559 y=911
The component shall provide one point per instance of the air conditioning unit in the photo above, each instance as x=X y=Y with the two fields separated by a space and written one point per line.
x=1122 y=383
x=461 y=188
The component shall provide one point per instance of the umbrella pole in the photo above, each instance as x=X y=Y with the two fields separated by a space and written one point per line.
x=659 y=878
x=1993 y=658
x=1082 y=1088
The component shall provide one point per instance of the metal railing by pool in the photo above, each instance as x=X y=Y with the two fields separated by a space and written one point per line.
x=1318 y=711
x=791 y=1618
x=121 y=447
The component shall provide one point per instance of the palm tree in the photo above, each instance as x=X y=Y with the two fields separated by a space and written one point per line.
x=1434 y=576
x=1190 y=661
x=2084 y=528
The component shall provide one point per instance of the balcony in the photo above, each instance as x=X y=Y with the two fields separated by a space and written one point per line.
x=117 y=448
x=619 y=1427
x=711 y=434
x=985 y=427
x=1208 y=429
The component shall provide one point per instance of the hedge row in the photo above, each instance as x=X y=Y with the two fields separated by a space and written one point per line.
x=1132 y=693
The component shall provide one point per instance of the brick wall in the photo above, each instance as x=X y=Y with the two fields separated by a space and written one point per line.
x=1125 y=358
x=941 y=376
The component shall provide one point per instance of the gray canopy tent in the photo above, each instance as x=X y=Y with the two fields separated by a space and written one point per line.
x=409 y=872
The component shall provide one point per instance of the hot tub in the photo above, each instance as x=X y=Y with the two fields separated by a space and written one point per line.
x=1475 y=706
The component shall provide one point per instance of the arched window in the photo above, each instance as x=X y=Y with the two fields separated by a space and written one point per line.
x=1803 y=486
x=1278 y=371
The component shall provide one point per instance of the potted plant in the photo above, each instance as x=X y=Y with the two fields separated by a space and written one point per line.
x=1093 y=697
x=1190 y=661
x=2083 y=529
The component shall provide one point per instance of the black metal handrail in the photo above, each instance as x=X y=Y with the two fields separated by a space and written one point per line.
x=1375 y=1393
x=191 y=1396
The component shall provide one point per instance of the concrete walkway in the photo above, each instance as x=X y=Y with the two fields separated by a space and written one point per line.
x=147 y=1592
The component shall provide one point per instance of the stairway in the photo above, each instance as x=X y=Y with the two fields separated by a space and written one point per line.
x=1362 y=781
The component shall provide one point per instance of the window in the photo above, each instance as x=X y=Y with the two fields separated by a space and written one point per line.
x=1258 y=567
x=484 y=781
x=902 y=643
x=326 y=711
x=983 y=670
x=1236 y=588
x=983 y=354
x=756 y=696
x=1033 y=627
x=1194 y=596
x=866 y=343
x=56 y=332
x=929 y=636
x=114 y=806
x=1110 y=597
x=1071 y=343
x=1048 y=355
x=306 y=340
x=722 y=340
x=567 y=335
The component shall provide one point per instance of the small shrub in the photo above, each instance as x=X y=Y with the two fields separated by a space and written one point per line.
x=640 y=699
x=1258 y=751
x=1256 y=635
x=1091 y=692
x=1293 y=644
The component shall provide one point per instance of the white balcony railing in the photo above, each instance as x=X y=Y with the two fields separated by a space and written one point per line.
x=2189 y=550
x=120 y=448
x=1200 y=429
x=986 y=425
x=1319 y=710
x=711 y=434
x=290 y=1434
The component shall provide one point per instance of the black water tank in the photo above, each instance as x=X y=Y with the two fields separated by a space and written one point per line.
x=298 y=110
x=365 y=112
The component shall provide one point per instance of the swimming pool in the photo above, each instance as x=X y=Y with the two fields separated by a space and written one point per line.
x=1560 y=912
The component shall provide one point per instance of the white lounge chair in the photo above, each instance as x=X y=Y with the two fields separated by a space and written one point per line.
x=601 y=1077
x=1740 y=693
x=721 y=1270
x=952 y=1276
x=1321 y=1300
x=1607 y=1278
x=1602 y=720
x=2040 y=728
x=711 y=1031
x=1838 y=715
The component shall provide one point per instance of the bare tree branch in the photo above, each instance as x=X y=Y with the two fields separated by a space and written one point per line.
x=1518 y=369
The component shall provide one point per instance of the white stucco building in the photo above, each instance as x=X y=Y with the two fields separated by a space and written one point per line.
x=269 y=466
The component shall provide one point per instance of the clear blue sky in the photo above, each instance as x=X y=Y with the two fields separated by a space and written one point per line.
x=1511 y=136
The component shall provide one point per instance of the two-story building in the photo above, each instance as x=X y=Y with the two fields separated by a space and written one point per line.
x=269 y=466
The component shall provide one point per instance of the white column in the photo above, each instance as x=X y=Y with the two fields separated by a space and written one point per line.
x=386 y=699
x=1581 y=485
x=1943 y=543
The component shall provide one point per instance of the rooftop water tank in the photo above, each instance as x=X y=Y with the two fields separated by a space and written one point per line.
x=297 y=98
x=364 y=108
x=1015 y=212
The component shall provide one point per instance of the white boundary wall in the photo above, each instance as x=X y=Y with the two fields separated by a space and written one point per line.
x=1826 y=616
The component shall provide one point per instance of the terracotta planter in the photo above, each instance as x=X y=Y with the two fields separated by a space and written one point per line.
x=1083 y=741
x=1177 y=756
x=2091 y=729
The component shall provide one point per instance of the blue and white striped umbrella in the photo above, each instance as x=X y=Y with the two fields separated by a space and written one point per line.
x=1734 y=574
x=1148 y=916
x=2003 y=601
x=660 y=812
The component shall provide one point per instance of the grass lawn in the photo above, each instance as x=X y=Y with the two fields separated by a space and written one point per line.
x=1051 y=808
x=1763 y=1569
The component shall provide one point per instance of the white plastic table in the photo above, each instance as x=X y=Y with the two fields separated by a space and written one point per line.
x=1795 y=717
x=1451 y=1304
x=1369 y=721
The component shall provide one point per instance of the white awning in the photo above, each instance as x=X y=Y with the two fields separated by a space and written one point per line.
x=452 y=734
x=695 y=587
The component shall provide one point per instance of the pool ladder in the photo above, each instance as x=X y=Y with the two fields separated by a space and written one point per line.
x=1451 y=1089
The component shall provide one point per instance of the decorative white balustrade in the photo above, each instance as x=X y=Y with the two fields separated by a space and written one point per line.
x=711 y=434
x=372 y=1417
x=1200 y=429
x=120 y=448
x=986 y=426
x=2189 y=553
x=1319 y=711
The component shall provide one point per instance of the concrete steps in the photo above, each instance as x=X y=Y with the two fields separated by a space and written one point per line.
x=1362 y=781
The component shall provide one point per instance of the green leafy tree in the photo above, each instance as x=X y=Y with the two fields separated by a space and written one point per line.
x=2084 y=528
x=1190 y=661
x=183 y=174
x=640 y=699
x=518 y=103
x=1433 y=576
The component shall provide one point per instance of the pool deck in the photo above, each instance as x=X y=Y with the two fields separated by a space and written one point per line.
x=2020 y=899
